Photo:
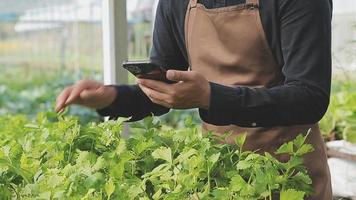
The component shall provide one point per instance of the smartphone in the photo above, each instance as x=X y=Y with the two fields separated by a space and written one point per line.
x=147 y=70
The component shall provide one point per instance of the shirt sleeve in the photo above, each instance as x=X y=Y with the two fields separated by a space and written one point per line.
x=131 y=101
x=305 y=28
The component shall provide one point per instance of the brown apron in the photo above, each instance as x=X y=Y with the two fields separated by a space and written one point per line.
x=228 y=46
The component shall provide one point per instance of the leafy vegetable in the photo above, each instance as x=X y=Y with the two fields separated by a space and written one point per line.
x=340 y=119
x=62 y=159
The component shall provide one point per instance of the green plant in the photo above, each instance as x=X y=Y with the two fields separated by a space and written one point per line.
x=52 y=158
x=340 y=120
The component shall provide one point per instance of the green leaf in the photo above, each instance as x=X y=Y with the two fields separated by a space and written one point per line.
x=304 y=149
x=214 y=158
x=55 y=180
x=185 y=155
x=157 y=195
x=158 y=171
x=327 y=124
x=286 y=148
x=237 y=183
x=142 y=146
x=45 y=196
x=121 y=147
x=299 y=140
x=292 y=195
x=163 y=153
x=301 y=177
x=294 y=162
x=221 y=193
x=109 y=188
x=349 y=133
x=253 y=156
x=240 y=140
x=242 y=165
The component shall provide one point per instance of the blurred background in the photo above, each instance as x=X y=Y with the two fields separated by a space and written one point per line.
x=46 y=45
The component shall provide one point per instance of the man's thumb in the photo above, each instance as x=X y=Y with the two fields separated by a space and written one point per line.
x=176 y=75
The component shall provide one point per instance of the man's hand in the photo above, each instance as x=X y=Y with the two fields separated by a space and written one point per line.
x=87 y=93
x=191 y=91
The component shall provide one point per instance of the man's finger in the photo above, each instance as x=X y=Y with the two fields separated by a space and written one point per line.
x=159 y=86
x=88 y=94
x=154 y=100
x=75 y=94
x=152 y=94
x=162 y=103
x=91 y=97
x=176 y=75
x=79 y=88
x=62 y=98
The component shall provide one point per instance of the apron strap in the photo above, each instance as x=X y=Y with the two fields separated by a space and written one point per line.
x=193 y=3
x=257 y=2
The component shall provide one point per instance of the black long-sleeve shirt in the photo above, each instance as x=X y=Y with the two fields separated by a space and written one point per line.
x=299 y=34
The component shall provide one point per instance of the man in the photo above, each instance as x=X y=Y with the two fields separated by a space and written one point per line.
x=256 y=66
